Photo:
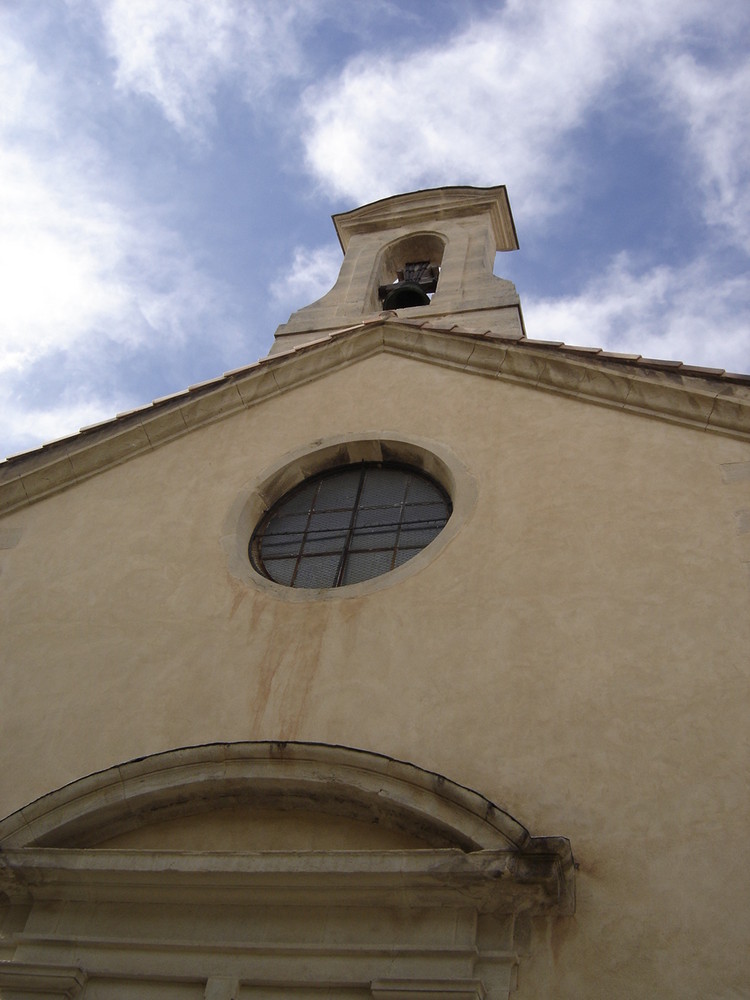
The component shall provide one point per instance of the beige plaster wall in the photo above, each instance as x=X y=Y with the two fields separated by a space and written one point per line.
x=577 y=652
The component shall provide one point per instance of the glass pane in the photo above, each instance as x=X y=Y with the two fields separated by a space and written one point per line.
x=338 y=492
x=374 y=538
x=280 y=570
x=301 y=501
x=280 y=545
x=286 y=524
x=426 y=513
x=384 y=516
x=327 y=531
x=317 y=571
x=417 y=538
x=326 y=544
x=365 y=565
x=422 y=490
x=383 y=487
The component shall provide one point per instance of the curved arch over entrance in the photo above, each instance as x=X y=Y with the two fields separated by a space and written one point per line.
x=425 y=923
x=341 y=781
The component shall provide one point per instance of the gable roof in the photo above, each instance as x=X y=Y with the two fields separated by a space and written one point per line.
x=703 y=398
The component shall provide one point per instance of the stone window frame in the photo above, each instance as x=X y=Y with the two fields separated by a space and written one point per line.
x=263 y=491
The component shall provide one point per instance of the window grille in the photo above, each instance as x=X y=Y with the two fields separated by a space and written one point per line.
x=349 y=525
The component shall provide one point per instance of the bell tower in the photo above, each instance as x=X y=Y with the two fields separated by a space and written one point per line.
x=427 y=255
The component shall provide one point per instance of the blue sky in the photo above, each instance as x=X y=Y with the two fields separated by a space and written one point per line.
x=168 y=169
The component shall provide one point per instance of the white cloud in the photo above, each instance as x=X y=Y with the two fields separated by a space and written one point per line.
x=73 y=265
x=31 y=425
x=25 y=100
x=714 y=104
x=55 y=252
x=507 y=99
x=500 y=101
x=313 y=272
x=692 y=314
x=85 y=270
x=179 y=52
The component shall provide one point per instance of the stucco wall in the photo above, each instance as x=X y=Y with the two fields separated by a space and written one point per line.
x=577 y=652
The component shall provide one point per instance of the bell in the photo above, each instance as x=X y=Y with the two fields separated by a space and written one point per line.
x=404 y=295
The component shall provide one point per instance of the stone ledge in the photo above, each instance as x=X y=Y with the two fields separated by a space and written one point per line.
x=26 y=978
x=490 y=881
x=430 y=205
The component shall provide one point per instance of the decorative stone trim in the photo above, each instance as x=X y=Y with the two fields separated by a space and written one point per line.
x=494 y=881
x=20 y=979
x=221 y=988
x=336 y=780
x=427 y=989
x=317 y=777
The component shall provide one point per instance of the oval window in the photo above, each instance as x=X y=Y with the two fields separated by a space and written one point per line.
x=349 y=525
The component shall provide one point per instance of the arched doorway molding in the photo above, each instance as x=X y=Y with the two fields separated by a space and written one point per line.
x=286 y=775
x=433 y=923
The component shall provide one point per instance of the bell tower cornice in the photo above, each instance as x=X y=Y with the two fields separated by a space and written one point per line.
x=419 y=208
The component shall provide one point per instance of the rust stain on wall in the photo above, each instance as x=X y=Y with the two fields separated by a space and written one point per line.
x=239 y=592
x=287 y=640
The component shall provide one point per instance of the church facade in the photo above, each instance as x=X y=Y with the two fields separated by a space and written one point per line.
x=408 y=662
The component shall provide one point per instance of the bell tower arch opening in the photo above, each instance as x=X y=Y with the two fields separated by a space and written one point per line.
x=409 y=270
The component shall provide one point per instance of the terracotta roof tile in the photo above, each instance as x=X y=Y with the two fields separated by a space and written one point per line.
x=243 y=369
x=616 y=355
x=659 y=363
x=208 y=381
x=696 y=370
x=170 y=397
x=102 y=423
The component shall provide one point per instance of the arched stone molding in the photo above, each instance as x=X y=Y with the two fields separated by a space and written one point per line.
x=355 y=784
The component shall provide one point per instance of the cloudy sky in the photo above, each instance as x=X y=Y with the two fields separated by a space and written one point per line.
x=168 y=169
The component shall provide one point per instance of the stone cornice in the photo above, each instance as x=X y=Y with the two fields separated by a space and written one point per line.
x=704 y=399
x=493 y=881
x=430 y=205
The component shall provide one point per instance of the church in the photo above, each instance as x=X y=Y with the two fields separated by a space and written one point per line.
x=409 y=662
